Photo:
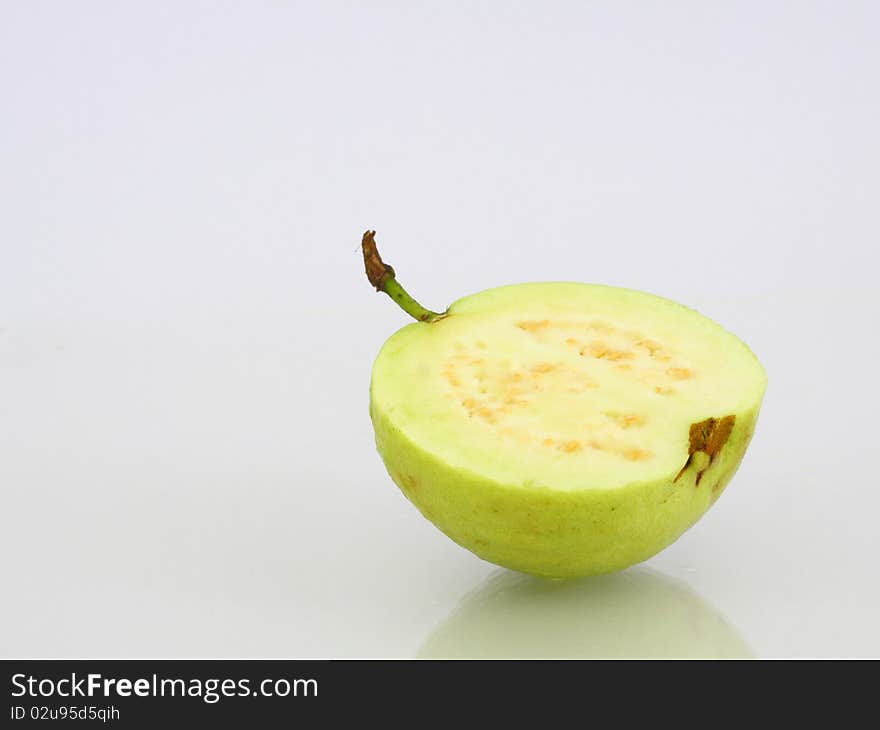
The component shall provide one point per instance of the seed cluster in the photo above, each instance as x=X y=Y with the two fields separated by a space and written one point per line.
x=509 y=394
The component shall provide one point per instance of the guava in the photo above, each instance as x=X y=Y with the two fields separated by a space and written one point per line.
x=560 y=429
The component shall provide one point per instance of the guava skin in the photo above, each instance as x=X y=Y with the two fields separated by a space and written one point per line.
x=550 y=533
x=565 y=531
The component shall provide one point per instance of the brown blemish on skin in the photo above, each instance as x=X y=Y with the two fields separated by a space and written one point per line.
x=708 y=437
x=410 y=483
x=718 y=436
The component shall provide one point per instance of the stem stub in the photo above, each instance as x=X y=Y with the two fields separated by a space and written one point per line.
x=382 y=277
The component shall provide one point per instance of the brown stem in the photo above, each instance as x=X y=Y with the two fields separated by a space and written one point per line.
x=381 y=276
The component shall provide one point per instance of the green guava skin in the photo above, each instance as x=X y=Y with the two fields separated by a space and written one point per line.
x=556 y=533
x=550 y=533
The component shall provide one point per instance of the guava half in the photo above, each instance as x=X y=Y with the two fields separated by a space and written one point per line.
x=561 y=429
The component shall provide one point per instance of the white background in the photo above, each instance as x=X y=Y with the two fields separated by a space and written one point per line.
x=186 y=333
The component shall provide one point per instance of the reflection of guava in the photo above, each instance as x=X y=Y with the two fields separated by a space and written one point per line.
x=637 y=613
x=561 y=429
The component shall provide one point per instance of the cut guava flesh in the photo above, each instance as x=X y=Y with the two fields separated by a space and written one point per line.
x=564 y=429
